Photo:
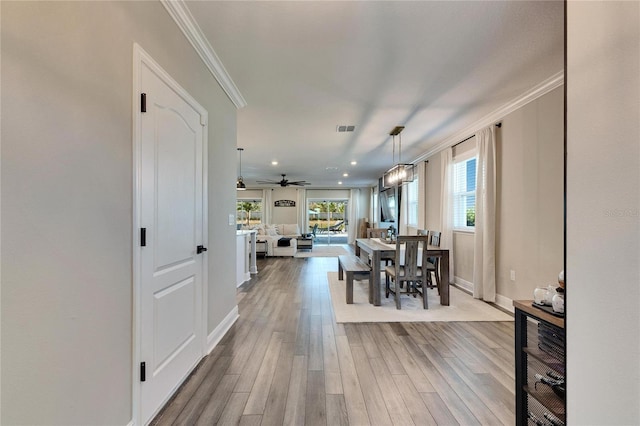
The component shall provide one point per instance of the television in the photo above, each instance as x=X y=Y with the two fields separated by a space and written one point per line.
x=388 y=205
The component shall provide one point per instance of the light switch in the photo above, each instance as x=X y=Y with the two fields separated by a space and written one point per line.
x=232 y=219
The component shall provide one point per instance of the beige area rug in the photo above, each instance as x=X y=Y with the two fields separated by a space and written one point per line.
x=322 y=251
x=462 y=307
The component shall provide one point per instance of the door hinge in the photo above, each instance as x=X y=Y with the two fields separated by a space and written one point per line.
x=143 y=102
x=143 y=237
x=143 y=372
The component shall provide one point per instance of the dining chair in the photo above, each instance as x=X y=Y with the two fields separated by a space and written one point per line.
x=411 y=252
x=433 y=263
x=424 y=232
x=379 y=233
x=376 y=232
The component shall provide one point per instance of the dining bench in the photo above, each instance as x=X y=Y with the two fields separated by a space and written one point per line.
x=354 y=268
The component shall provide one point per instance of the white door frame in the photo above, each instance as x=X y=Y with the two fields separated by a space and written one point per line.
x=141 y=57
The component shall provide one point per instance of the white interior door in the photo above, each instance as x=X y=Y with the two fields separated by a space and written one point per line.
x=171 y=212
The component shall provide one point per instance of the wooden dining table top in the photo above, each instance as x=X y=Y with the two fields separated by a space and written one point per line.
x=380 y=250
x=379 y=245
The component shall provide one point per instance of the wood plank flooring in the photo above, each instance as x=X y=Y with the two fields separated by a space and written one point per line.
x=286 y=362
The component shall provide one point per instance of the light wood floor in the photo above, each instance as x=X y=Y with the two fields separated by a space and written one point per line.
x=286 y=361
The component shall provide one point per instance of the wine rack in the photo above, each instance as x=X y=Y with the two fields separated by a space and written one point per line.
x=540 y=366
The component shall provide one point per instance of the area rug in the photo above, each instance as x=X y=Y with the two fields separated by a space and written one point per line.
x=322 y=251
x=462 y=307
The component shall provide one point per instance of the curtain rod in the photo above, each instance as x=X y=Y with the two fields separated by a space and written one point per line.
x=464 y=140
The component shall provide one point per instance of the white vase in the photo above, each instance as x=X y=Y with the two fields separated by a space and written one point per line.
x=558 y=303
x=538 y=295
x=548 y=297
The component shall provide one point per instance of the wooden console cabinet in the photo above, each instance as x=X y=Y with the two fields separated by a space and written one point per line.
x=540 y=366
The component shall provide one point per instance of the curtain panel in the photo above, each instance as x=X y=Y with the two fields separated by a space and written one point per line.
x=422 y=194
x=446 y=208
x=267 y=201
x=403 y=206
x=302 y=211
x=374 y=207
x=484 y=253
x=352 y=215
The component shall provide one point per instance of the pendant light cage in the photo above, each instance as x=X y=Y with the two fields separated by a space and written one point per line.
x=240 y=186
x=400 y=172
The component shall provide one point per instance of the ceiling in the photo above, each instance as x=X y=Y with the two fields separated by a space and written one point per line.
x=434 y=67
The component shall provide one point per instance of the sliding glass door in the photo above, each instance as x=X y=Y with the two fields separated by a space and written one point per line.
x=328 y=220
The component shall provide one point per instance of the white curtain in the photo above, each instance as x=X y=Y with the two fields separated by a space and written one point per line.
x=422 y=194
x=404 y=208
x=267 y=205
x=374 y=207
x=302 y=211
x=352 y=215
x=484 y=257
x=446 y=208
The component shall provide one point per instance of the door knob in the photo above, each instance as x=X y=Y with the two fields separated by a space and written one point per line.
x=200 y=249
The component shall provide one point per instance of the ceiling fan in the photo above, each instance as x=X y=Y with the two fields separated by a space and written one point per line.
x=284 y=182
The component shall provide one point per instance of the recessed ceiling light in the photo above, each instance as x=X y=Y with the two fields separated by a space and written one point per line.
x=345 y=174
x=353 y=163
x=274 y=163
x=340 y=183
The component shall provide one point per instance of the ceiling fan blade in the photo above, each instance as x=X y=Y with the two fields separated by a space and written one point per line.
x=284 y=182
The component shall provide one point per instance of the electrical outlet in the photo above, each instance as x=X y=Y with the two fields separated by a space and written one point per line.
x=512 y=275
x=232 y=219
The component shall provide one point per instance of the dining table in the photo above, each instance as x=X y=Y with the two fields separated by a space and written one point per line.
x=377 y=250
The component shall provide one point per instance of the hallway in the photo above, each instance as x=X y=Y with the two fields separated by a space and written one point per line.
x=286 y=361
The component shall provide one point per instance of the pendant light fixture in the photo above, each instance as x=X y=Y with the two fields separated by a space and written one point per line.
x=399 y=173
x=240 y=186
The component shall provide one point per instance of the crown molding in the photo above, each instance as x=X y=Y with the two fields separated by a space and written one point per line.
x=180 y=13
x=539 y=90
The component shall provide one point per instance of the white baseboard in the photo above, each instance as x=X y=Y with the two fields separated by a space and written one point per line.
x=246 y=277
x=216 y=335
x=466 y=285
x=504 y=303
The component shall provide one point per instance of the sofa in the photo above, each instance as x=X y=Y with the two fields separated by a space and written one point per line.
x=271 y=234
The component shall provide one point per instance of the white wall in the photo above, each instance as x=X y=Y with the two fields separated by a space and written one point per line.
x=290 y=214
x=67 y=179
x=285 y=214
x=530 y=189
x=603 y=213
x=249 y=193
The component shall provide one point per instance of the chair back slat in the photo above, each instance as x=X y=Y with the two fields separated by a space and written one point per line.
x=376 y=232
x=414 y=246
x=424 y=232
x=435 y=238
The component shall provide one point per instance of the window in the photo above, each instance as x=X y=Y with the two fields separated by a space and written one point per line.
x=464 y=193
x=412 y=203
x=248 y=212
x=328 y=220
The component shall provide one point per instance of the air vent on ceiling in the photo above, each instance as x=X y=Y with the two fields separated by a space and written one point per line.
x=343 y=128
